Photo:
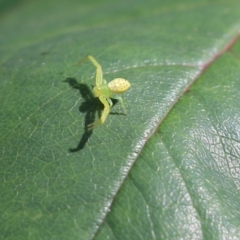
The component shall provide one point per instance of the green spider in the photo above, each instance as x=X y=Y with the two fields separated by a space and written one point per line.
x=104 y=91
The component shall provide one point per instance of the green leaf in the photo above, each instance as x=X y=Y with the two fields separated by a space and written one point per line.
x=185 y=183
x=167 y=170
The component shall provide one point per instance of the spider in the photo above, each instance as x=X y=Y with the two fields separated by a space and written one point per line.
x=104 y=91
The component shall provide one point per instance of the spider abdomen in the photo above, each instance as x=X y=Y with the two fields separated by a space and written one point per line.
x=118 y=85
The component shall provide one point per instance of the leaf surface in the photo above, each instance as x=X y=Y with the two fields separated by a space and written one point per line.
x=167 y=170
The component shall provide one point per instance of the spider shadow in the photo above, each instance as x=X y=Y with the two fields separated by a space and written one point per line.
x=90 y=106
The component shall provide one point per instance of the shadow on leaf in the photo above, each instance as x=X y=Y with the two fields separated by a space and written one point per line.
x=90 y=106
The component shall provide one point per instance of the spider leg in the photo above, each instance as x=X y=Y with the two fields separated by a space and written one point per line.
x=110 y=102
x=107 y=105
x=99 y=74
x=122 y=103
